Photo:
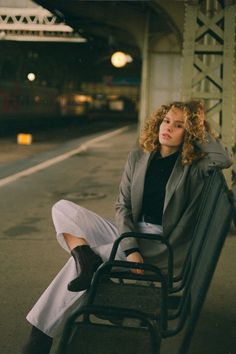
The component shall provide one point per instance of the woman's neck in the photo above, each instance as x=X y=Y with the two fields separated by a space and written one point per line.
x=166 y=151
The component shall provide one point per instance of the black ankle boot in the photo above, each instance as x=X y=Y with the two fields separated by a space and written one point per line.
x=38 y=343
x=88 y=262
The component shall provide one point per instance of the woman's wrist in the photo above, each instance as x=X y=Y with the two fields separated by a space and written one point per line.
x=131 y=250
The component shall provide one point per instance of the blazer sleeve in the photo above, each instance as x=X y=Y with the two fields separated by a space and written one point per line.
x=123 y=205
x=216 y=155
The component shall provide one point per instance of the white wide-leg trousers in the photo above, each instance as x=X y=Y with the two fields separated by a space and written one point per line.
x=54 y=306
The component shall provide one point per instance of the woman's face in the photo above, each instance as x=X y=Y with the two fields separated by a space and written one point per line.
x=171 y=131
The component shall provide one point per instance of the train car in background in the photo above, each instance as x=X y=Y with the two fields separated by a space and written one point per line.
x=115 y=107
x=96 y=106
x=75 y=104
x=28 y=99
x=23 y=99
x=28 y=106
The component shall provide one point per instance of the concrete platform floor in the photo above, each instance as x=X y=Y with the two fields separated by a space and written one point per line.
x=30 y=256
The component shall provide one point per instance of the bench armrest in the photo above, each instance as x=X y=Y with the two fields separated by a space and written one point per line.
x=155 y=237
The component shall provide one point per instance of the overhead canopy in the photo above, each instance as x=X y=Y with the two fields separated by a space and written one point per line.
x=119 y=24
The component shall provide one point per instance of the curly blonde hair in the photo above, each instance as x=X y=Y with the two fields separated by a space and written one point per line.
x=195 y=129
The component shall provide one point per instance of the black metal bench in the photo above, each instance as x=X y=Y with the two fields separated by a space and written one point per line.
x=88 y=331
x=151 y=294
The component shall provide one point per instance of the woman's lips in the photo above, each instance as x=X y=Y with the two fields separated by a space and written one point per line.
x=166 y=136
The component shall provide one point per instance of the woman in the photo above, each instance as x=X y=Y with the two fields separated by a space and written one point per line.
x=159 y=193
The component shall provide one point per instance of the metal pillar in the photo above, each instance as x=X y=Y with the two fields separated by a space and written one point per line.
x=209 y=62
x=144 y=90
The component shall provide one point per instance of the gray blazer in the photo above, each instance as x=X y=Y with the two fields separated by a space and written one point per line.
x=181 y=200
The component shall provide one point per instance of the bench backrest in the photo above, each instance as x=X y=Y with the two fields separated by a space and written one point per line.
x=202 y=270
x=209 y=198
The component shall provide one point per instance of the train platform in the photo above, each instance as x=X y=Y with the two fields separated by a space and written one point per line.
x=88 y=174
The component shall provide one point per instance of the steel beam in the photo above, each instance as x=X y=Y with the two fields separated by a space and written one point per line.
x=209 y=62
x=34 y=24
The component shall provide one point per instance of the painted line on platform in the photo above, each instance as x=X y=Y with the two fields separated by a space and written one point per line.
x=43 y=165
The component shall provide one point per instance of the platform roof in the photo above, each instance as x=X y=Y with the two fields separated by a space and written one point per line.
x=117 y=23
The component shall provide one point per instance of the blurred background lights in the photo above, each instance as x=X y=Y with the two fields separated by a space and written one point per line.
x=129 y=59
x=120 y=59
x=31 y=76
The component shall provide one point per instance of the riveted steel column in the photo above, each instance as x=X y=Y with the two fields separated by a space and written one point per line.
x=228 y=93
x=188 y=49
x=209 y=62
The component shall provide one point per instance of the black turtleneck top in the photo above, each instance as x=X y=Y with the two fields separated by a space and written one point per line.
x=157 y=175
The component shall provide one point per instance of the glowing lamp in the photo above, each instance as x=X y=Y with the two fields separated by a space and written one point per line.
x=119 y=59
x=31 y=76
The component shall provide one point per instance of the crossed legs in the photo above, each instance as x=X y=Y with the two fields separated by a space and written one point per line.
x=89 y=239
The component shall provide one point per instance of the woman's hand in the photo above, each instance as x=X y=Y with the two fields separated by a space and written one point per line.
x=135 y=257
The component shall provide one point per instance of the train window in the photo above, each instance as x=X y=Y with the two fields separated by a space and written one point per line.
x=116 y=105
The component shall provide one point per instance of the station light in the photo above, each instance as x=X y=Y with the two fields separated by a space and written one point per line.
x=24 y=139
x=31 y=76
x=120 y=59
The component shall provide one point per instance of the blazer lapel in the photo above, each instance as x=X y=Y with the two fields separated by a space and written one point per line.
x=173 y=181
x=138 y=183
